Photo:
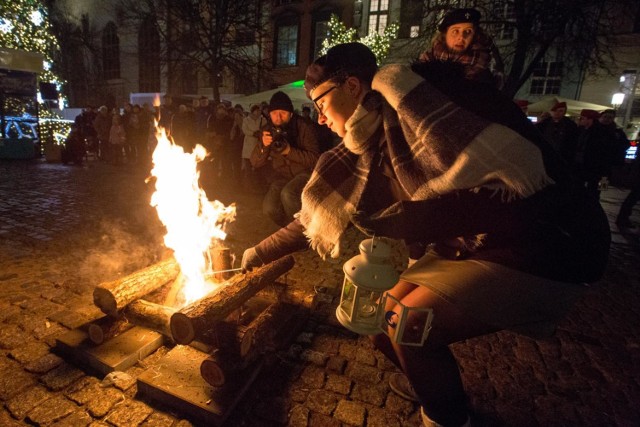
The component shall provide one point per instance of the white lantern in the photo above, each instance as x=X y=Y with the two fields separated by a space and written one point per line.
x=367 y=277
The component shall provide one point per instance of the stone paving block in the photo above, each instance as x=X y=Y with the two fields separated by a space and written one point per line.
x=322 y=401
x=322 y=420
x=397 y=405
x=299 y=393
x=69 y=318
x=299 y=416
x=51 y=411
x=378 y=417
x=7 y=421
x=129 y=413
x=313 y=376
x=44 y=364
x=77 y=419
x=103 y=400
x=14 y=381
x=374 y=395
x=336 y=364
x=364 y=373
x=158 y=419
x=315 y=357
x=83 y=390
x=338 y=384
x=366 y=356
x=349 y=412
x=29 y=352
x=61 y=376
x=22 y=403
x=12 y=336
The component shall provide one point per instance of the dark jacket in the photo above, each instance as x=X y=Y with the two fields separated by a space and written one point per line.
x=302 y=137
x=562 y=135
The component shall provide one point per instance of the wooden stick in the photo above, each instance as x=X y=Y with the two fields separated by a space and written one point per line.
x=113 y=296
x=193 y=320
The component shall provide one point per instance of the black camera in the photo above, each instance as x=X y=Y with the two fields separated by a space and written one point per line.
x=280 y=138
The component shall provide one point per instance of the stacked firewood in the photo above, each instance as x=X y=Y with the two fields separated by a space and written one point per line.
x=205 y=323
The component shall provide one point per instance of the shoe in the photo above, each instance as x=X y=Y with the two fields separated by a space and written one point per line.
x=402 y=387
x=428 y=422
x=624 y=223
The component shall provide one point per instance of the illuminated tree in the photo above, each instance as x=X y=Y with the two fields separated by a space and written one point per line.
x=378 y=43
x=24 y=25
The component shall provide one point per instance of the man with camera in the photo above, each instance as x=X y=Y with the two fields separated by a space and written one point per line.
x=293 y=147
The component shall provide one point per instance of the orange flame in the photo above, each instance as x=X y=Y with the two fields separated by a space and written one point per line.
x=193 y=222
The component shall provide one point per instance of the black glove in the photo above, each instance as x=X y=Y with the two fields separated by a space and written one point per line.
x=390 y=222
x=250 y=260
x=445 y=217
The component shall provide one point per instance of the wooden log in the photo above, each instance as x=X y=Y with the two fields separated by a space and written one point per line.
x=150 y=315
x=264 y=332
x=106 y=328
x=221 y=258
x=110 y=297
x=218 y=367
x=192 y=321
x=232 y=339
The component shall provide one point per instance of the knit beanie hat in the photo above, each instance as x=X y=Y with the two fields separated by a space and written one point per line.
x=280 y=101
x=342 y=60
x=457 y=16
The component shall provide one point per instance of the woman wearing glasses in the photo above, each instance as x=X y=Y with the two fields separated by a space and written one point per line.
x=430 y=156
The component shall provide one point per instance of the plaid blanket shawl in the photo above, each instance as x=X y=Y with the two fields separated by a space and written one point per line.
x=435 y=147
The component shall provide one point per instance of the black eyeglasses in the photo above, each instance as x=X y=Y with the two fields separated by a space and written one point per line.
x=319 y=97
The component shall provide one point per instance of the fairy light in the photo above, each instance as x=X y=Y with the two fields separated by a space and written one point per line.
x=25 y=25
x=379 y=44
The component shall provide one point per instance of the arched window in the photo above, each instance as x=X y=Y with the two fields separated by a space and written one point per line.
x=110 y=52
x=148 y=57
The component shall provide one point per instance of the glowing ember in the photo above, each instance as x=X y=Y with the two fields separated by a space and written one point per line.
x=193 y=222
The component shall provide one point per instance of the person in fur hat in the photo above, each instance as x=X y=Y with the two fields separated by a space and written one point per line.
x=430 y=156
x=461 y=40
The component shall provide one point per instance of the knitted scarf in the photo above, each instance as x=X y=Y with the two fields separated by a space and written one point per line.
x=476 y=58
x=435 y=147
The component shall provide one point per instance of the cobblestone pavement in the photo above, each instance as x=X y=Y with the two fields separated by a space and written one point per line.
x=65 y=229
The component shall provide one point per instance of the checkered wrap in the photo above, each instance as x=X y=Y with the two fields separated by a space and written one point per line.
x=435 y=147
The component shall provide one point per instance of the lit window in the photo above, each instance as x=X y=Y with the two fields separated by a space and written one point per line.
x=287 y=47
x=378 y=16
x=546 y=79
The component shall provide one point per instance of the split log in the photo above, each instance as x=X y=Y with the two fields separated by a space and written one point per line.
x=110 y=297
x=192 y=321
x=150 y=315
x=106 y=328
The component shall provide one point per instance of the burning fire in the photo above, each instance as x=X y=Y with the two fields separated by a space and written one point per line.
x=193 y=222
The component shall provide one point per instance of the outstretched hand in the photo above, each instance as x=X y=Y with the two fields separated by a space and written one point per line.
x=250 y=260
